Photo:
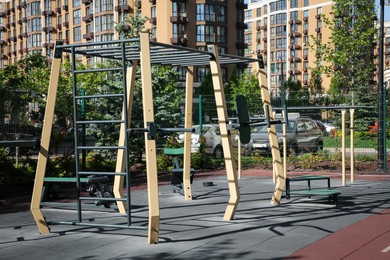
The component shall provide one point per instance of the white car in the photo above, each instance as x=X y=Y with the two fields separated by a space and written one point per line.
x=210 y=137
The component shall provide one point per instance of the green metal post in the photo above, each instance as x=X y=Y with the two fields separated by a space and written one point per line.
x=83 y=154
x=200 y=119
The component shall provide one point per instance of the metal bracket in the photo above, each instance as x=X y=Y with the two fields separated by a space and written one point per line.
x=58 y=52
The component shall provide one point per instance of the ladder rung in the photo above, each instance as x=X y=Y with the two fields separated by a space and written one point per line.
x=98 y=96
x=99 y=147
x=103 y=173
x=99 y=122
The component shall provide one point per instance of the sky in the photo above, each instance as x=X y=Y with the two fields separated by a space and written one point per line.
x=387 y=10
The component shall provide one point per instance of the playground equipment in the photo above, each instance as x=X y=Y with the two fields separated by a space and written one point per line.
x=129 y=53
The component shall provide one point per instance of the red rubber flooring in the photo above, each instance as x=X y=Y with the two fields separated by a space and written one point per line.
x=367 y=239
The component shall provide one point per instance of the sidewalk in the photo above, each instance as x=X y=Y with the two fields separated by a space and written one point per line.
x=296 y=229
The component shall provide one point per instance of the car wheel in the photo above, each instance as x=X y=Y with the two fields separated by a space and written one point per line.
x=218 y=152
x=319 y=147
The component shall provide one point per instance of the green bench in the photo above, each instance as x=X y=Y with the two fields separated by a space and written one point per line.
x=327 y=191
x=177 y=171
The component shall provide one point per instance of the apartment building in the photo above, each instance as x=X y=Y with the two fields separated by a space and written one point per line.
x=281 y=31
x=28 y=26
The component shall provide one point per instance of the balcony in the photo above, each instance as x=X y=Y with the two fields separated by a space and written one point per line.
x=65 y=7
x=50 y=45
x=305 y=19
x=117 y=8
x=264 y=39
x=264 y=27
x=3 y=42
x=318 y=30
x=294 y=21
x=3 y=14
x=20 y=37
x=7 y=25
x=295 y=47
x=295 y=72
x=264 y=51
x=48 y=29
x=178 y=19
x=59 y=26
x=24 y=19
x=47 y=13
x=86 y=2
x=25 y=35
x=304 y=57
x=126 y=27
x=2 y=28
x=294 y=59
x=66 y=24
x=13 y=24
x=25 y=50
x=304 y=69
x=304 y=82
x=3 y=56
x=258 y=40
x=126 y=8
x=153 y=20
x=66 y=41
x=318 y=16
x=19 y=21
x=258 y=28
x=58 y=9
x=14 y=39
x=44 y=45
x=20 y=51
x=153 y=2
x=179 y=41
x=88 y=36
x=295 y=34
x=305 y=32
x=87 y=18
x=7 y=11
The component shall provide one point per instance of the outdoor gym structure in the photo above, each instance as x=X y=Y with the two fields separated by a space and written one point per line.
x=142 y=52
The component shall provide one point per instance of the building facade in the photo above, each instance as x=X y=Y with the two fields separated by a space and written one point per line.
x=282 y=31
x=28 y=26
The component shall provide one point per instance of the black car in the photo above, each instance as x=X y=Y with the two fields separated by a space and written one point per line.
x=302 y=135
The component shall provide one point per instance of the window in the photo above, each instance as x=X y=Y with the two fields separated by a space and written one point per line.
x=293 y=3
x=265 y=9
x=319 y=10
x=258 y=12
x=36 y=40
x=153 y=11
x=319 y=23
x=178 y=8
x=77 y=34
x=178 y=30
x=306 y=3
x=35 y=8
x=201 y=73
x=281 y=30
x=204 y=12
x=77 y=16
x=76 y=3
x=281 y=43
x=281 y=18
x=248 y=14
x=306 y=13
x=107 y=23
x=294 y=15
x=221 y=34
x=221 y=14
x=36 y=24
x=205 y=33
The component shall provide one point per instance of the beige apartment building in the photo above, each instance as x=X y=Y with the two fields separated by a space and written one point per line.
x=281 y=31
x=28 y=26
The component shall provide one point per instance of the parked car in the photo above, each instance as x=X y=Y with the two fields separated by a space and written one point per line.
x=329 y=127
x=302 y=134
x=210 y=137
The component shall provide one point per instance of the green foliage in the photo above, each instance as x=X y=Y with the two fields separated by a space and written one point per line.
x=135 y=24
x=348 y=57
x=10 y=174
x=247 y=85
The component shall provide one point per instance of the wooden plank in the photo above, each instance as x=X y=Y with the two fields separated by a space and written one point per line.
x=231 y=170
x=150 y=145
x=44 y=147
x=121 y=156
x=187 y=135
x=273 y=139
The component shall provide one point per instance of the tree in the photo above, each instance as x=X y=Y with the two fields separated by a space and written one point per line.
x=348 y=56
